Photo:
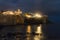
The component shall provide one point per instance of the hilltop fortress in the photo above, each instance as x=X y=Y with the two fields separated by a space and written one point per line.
x=11 y=17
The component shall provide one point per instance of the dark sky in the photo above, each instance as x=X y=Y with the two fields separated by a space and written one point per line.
x=49 y=4
x=52 y=7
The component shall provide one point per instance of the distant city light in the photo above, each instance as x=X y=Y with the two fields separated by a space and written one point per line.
x=34 y=15
x=8 y=13
x=18 y=12
x=28 y=16
x=37 y=15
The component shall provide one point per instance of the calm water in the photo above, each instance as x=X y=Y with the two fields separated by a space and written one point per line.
x=29 y=32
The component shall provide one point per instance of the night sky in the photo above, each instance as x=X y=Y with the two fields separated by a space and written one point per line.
x=52 y=7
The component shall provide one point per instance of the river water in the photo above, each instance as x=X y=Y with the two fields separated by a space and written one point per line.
x=27 y=32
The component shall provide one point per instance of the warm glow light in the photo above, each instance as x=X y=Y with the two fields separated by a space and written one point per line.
x=37 y=37
x=29 y=29
x=8 y=13
x=28 y=16
x=37 y=15
x=11 y=13
x=18 y=12
x=39 y=30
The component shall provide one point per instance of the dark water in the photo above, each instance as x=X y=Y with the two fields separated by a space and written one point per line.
x=30 y=32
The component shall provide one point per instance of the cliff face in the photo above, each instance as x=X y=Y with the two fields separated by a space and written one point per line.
x=11 y=20
x=20 y=20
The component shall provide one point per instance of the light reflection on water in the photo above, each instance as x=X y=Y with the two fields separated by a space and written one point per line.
x=37 y=37
x=33 y=32
x=28 y=29
x=38 y=31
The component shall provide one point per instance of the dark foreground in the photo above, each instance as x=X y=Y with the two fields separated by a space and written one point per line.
x=19 y=32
